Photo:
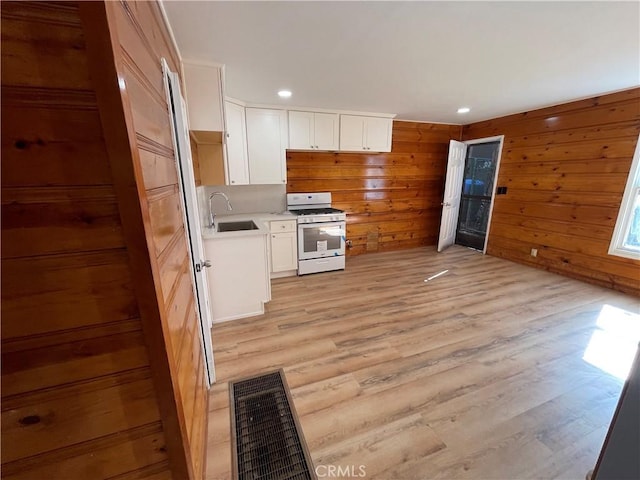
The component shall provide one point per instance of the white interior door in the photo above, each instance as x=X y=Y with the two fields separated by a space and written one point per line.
x=452 y=194
x=187 y=186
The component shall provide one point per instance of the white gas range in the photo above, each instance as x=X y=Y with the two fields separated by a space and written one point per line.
x=321 y=232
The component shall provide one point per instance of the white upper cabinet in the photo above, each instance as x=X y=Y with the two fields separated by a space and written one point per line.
x=313 y=130
x=378 y=134
x=352 y=133
x=267 y=136
x=365 y=134
x=236 y=162
x=204 y=87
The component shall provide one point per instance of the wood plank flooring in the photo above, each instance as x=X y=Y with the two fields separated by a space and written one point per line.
x=476 y=374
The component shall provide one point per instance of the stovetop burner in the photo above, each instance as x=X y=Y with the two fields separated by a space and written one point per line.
x=315 y=211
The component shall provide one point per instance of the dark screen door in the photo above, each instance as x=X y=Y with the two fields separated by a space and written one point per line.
x=477 y=189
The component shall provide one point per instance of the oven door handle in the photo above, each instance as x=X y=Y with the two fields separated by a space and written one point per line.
x=340 y=223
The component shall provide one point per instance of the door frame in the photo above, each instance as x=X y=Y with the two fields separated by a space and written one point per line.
x=475 y=141
x=196 y=265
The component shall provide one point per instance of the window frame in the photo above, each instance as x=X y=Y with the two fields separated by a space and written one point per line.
x=625 y=214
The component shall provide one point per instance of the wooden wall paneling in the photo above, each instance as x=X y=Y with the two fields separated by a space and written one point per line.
x=27 y=63
x=565 y=168
x=599 y=132
x=173 y=260
x=181 y=307
x=165 y=216
x=49 y=145
x=187 y=377
x=138 y=41
x=120 y=135
x=151 y=119
x=161 y=169
x=200 y=422
x=52 y=365
x=392 y=199
x=59 y=220
x=59 y=425
x=579 y=106
x=144 y=446
x=77 y=399
x=68 y=291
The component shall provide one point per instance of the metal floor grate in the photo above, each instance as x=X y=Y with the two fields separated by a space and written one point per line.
x=267 y=439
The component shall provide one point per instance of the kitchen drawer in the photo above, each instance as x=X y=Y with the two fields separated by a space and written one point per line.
x=278 y=226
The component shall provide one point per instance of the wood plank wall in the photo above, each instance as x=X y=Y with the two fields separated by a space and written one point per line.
x=140 y=39
x=78 y=399
x=565 y=168
x=392 y=199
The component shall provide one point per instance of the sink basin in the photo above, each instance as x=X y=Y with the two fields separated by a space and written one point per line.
x=237 y=226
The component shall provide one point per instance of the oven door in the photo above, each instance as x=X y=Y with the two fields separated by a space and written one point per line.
x=317 y=240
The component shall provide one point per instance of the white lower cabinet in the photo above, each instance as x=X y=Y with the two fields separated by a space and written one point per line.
x=284 y=248
x=239 y=276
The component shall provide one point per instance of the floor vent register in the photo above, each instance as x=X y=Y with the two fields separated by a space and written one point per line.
x=267 y=441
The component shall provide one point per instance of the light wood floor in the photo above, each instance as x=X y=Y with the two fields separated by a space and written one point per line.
x=476 y=374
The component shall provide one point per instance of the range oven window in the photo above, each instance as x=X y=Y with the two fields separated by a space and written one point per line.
x=319 y=240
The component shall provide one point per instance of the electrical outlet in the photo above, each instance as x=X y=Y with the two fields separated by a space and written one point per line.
x=534 y=252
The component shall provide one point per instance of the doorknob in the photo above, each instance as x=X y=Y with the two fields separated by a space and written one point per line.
x=203 y=264
x=445 y=204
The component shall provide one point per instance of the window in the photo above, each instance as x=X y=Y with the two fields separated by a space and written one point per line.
x=626 y=235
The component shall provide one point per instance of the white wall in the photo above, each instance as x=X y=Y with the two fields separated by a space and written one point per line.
x=244 y=199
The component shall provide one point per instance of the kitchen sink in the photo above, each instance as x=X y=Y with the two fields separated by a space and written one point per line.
x=237 y=226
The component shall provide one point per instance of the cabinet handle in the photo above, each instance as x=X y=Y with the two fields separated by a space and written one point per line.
x=316 y=146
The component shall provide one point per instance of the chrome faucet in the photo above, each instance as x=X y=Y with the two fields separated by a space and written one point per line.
x=212 y=214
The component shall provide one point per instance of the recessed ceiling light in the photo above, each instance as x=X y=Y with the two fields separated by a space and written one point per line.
x=284 y=93
x=464 y=110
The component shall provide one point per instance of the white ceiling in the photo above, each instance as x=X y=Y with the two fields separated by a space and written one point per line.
x=420 y=60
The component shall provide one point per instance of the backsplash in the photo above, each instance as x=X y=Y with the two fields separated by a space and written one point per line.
x=244 y=199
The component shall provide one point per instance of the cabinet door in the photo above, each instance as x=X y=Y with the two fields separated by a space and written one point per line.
x=203 y=85
x=352 y=133
x=237 y=163
x=301 y=130
x=378 y=134
x=284 y=252
x=326 y=131
x=266 y=145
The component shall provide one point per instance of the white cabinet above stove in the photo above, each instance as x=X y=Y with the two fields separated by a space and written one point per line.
x=313 y=130
x=365 y=134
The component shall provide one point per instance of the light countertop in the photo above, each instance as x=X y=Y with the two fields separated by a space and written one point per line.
x=260 y=219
